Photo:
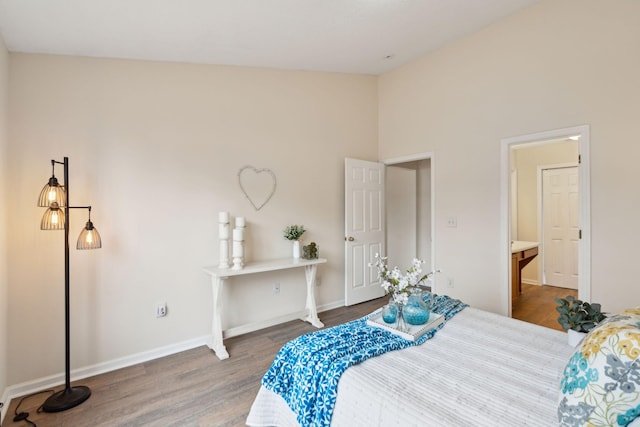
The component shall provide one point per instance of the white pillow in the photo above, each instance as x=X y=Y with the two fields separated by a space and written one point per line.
x=601 y=382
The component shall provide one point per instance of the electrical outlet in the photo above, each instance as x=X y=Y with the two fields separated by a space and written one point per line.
x=318 y=281
x=452 y=222
x=276 y=288
x=450 y=283
x=161 y=309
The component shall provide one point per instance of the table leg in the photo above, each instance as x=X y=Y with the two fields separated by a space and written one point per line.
x=312 y=312
x=217 y=284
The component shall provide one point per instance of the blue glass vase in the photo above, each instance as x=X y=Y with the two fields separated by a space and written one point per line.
x=390 y=313
x=416 y=311
x=402 y=324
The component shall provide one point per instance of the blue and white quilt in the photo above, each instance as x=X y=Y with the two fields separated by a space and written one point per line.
x=306 y=371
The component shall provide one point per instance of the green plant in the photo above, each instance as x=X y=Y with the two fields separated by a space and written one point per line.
x=310 y=251
x=578 y=315
x=293 y=232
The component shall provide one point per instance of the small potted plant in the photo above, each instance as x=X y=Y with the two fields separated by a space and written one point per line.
x=293 y=233
x=310 y=251
x=578 y=317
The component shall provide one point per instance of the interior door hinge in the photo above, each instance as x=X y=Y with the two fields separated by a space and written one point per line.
x=579 y=159
x=579 y=234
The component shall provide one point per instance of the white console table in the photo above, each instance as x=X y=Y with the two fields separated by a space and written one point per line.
x=219 y=275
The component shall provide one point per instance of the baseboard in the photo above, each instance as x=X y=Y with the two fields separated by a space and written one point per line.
x=251 y=327
x=33 y=386
x=531 y=282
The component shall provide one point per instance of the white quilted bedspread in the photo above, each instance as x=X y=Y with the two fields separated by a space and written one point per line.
x=481 y=369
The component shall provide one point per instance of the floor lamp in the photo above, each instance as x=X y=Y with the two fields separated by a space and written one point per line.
x=55 y=197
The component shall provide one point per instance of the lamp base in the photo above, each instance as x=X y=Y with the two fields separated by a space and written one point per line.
x=66 y=399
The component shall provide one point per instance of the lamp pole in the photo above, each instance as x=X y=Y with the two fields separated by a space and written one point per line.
x=70 y=396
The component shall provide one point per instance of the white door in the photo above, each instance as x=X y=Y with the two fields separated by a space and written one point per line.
x=561 y=227
x=364 y=228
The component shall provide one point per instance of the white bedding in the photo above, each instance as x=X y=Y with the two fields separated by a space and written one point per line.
x=480 y=369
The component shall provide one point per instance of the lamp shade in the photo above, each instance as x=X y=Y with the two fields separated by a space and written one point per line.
x=53 y=218
x=89 y=238
x=52 y=192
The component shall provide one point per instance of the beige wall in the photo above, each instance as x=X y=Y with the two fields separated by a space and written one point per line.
x=527 y=160
x=155 y=148
x=4 y=284
x=555 y=65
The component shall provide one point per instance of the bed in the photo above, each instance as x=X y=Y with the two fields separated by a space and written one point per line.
x=483 y=369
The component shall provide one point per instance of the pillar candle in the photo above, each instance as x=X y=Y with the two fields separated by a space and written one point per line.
x=223 y=231
x=224 y=254
x=238 y=250
x=223 y=217
x=240 y=221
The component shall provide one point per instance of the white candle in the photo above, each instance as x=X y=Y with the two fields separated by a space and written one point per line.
x=238 y=250
x=223 y=231
x=223 y=217
x=224 y=254
x=238 y=234
x=240 y=221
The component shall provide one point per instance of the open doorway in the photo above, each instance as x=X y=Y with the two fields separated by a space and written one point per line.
x=544 y=210
x=409 y=211
x=532 y=167
x=544 y=216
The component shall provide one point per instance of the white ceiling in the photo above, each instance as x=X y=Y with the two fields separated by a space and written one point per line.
x=352 y=36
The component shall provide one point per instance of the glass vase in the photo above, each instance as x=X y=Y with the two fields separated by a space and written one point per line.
x=416 y=311
x=390 y=313
x=402 y=324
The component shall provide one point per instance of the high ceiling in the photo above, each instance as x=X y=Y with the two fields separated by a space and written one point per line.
x=352 y=36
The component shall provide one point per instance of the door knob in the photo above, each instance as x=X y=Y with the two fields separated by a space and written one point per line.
x=350 y=238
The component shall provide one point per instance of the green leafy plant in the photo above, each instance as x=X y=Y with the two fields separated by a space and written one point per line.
x=293 y=232
x=578 y=315
x=310 y=251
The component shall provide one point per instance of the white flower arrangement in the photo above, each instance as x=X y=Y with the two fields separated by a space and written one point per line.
x=398 y=284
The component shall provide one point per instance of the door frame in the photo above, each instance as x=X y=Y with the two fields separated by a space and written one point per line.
x=584 y=247
x=540 y=225
x=412 y=158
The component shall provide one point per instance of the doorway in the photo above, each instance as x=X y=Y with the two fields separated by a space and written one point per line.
x=514 y=227
x=409 y=208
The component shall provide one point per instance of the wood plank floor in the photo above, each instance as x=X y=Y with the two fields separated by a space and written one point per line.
x=195 y=388
x=537 y=305
x=191 y=388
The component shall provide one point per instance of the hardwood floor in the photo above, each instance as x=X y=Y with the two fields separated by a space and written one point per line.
x=191 y=388
x=195 y=388
x=537 y=305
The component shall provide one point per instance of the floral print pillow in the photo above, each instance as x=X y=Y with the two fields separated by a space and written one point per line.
x=601 y=382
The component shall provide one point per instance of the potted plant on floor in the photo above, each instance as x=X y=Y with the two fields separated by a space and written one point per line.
x=578 y=317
